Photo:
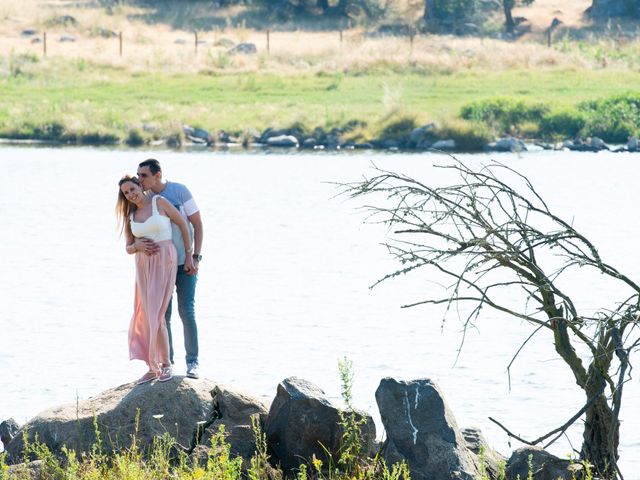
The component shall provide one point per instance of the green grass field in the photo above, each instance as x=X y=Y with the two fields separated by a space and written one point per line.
x=98 y=99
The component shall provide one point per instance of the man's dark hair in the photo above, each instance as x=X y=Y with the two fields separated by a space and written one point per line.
x=153 y=164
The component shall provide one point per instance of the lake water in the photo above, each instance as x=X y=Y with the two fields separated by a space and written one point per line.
x=284 y=284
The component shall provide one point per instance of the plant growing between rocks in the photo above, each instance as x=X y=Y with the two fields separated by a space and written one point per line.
x=488 y=237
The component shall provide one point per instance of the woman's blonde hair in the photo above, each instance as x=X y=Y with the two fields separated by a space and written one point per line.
x=124 y=208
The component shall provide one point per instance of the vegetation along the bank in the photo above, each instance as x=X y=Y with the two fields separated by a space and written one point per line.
x=135 y=74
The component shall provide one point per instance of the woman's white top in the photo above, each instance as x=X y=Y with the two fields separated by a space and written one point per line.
x=157 y=227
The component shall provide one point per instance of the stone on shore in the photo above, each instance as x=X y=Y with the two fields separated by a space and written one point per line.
x=302 y=422
x=176 y=406
x=234 y=410
x=287 y=141
x=8 y=429
x=422 y=430
x=544 y=466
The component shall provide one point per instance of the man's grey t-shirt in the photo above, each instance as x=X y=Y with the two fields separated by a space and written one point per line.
x=180 y=197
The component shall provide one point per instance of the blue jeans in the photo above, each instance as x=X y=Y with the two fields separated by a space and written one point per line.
x=186 y=291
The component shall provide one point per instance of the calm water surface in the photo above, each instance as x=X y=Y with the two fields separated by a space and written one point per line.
x=283 y=287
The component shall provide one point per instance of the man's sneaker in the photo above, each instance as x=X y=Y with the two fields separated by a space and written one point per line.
x=192 y=370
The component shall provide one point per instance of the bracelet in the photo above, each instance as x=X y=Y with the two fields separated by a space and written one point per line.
x=189 y=250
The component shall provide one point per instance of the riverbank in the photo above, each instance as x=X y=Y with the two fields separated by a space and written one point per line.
x=83 y=103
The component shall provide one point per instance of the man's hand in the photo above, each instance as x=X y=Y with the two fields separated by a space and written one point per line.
x=148 y=247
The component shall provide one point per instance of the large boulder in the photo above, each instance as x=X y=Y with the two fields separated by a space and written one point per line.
x=8 y=429
x=235 y=410
x=484 y=455
x=544 y=466
x=178 y=406
x=302 y=422
x=283 y=141
x=421 y=430
x=507 y=144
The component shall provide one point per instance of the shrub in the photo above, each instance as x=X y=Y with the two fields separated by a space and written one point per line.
x=613 y=119
x=398 y=128
x=504 y=114
x=469 y=136
x=565 y=123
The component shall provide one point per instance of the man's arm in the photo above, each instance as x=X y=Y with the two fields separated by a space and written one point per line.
x=198 y=233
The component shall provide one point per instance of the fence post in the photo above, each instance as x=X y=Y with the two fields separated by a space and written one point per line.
x=120 y=43
x=195 y=34
x=340 y=35
x=268 y=43
x=44 y=43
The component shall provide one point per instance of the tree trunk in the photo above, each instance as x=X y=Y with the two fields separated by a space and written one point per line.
x=509 y=24
x=601 y=438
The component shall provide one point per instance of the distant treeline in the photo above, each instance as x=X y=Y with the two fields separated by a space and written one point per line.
x=435 y=15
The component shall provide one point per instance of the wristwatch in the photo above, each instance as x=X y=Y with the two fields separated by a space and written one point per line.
x=197 y=257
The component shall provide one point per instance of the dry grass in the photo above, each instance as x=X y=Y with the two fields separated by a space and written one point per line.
x=161 y=48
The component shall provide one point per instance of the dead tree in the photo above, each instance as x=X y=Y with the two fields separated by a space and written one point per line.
x=488 y=238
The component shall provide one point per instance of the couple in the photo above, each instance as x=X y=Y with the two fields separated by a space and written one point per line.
x=163 y=228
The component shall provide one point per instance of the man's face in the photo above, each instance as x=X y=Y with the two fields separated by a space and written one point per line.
x=147 y=179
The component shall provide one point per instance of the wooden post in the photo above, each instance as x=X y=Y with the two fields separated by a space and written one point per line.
x=411 y=35
x=195 y=34
x=120 y=43
x=268 y=43
x=549 y=37
x=44 y=43
x=340 y=35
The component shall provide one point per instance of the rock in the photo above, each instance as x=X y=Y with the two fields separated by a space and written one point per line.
x=198 y=135
x=282 y=141
x=390 y=143
x=301 y=421
x=28 y=32
x=598 y=144
x=104 y=33
x=8 y=429
x=632 y=144
x=175 y=406
x=224 y=42
x=309 y=143
x=174 y=141
x=421 y=430
x=544 y=465
x=243 y=49
x=364 y=146
x=508 y=144
x=234 y=410
x=180 y=41
x=62 y=20
x=67 y=38
x=36 y=40
x=27 y=471
x=420 y=134
x=477 y=444
x=444 y=145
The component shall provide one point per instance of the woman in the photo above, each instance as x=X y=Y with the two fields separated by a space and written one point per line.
x=146 y=216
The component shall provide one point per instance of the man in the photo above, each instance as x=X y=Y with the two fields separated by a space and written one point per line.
x=150 y=175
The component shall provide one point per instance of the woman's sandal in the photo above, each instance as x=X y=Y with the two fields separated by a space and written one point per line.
x=165 y=374
x=147 y=377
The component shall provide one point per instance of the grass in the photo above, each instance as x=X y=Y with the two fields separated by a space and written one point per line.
x=110 y=102
x=84 y=91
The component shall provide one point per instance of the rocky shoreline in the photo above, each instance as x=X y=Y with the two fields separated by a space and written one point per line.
x=419 y=139
x=420 y=429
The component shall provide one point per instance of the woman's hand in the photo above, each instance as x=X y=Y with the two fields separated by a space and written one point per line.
x=189 y=267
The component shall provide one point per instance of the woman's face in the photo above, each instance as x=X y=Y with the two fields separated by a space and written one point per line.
x=131 y=191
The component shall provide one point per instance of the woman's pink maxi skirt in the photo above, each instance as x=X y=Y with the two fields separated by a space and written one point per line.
x=155 y=279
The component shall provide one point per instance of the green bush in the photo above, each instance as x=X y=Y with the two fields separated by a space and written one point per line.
x=469 y=136
x=398 y=128
x=504 y=114
x=563 y=123
x=613 y=119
